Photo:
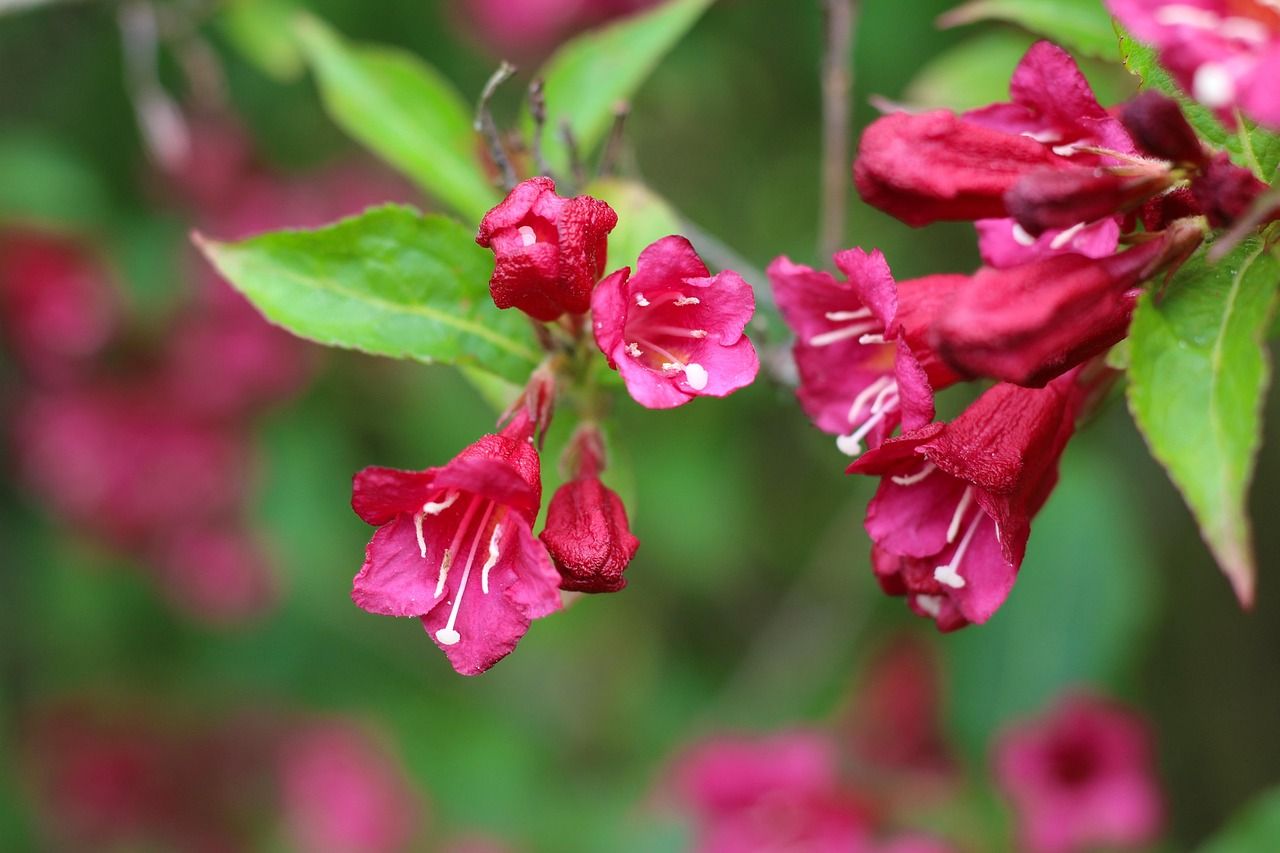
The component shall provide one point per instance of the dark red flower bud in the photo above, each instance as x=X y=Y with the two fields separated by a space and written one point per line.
x=587 y=533
x=1055 y=198
x=1159 y=128
x=1165 y=209
x=933 y=166
x=550 y=251
x=1225 y=191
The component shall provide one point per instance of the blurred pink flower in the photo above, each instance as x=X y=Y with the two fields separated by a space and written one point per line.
x=342 y=793
x=216 y=573
x=1081 y=777
x=896 y=720
x=526 y=30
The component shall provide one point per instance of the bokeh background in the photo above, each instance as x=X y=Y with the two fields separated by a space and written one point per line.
x=751 y=605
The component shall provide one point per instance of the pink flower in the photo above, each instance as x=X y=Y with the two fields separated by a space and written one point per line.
x=774 y=793
x=527 y=30
x=58 y=306
x=1080 y=778
x=550 y=251
x=896 y=719
x=861 y=345
x=673 y=330
x=951 y=517
x=586 y=529
x=1226 y=53
x=455 y=535
x=214 y=573
x=341 y=792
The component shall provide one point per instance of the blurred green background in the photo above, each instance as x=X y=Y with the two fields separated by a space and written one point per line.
x=750 y=605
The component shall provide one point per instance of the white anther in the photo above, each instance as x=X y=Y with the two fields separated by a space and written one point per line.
x=871 y=339
x=918 y=477
x=633 y=350
x=445 y=563
x=1066 y=236
x=687 y=300
x=417 y=528
x=493 y=558
x=930 y=604
x=1213 y=85
x=836 y=335
x=1021 y=237
x=641 y=301
x=1069 y=150
x=698 y=334
x=527 y=237
x=847 y=316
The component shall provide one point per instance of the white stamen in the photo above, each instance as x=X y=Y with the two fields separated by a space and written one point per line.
x=866 y=394
x=835 y=335
x=696 y=375
x=883 y=401
x=448 y=634
x=1042 y=136
x=633 y=350
x=1069 y=150
x=1213 y=85
x=1021 y=237
x=417 y=528
x=435 y=508
x=447 y=560
x=527 y=237
x=1066 y=236
x=871 y=339
x=444 y=571
x=948 y=575
x=918 y=477
x=954 y=529
x=641 y=301
x=687 y=300
x=931 y=604
x=493 y=558
x=847 y=316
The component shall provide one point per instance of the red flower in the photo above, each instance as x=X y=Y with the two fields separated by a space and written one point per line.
x=586 y=531
x=951 y=517
x=550 y=250
x=460 y=535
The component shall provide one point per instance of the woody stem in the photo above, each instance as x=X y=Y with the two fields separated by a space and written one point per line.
x=837 y=83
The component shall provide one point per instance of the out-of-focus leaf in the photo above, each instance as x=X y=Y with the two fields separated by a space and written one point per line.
x=1255 y=828
x=1248 y=145
x=643 y=217
x=1197 y=377
x=592 y=73
x=389 y=282
x=971 y=74
x=1076 y=616
x=44 y=182
x=1079 y=25
x=404 y=111
x=261 y=31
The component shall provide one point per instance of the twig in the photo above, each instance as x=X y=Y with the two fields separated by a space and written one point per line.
x=159 y=118
x=538 y=109
x=575 y=156
x=617 y=136
x=837 y=82
x=1264 y=206
x=721 y=256
x=486 y=126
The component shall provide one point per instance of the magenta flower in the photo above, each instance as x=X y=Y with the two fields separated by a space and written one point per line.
x=550 y=251
x=861 y=345
x=586 y=529
x=526 y=31
x=896 y=720
x=1225 y=53
x=341 y=792
x=214 y=573
x=1081 y=778
x=673 y=330
x=460 y=535
x=951 y=517
x=777 y=793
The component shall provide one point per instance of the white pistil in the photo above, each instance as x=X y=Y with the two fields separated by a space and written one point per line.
x=1066 y=236
x=641 y=301
x=851 y=444
x=1021 y=237
x=447 y=560
x=848 y=316
x=931 y=604
x=527 y=237
x=948 y=575
x=633 y=350
x=1213 y=85
x=836 y=335
x=493 y=558
x=696 y=375
x=1068 y=150
x=865 y=340
x=958 y=516
x=866 y=394
x=448 y=634
x=917 y=477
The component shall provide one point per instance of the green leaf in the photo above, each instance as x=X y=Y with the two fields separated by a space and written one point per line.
x=1078 y=25
x=1197 y=377
x=44 y=182
x=592 y=73
x=260 y=30
x=1255 y=828
x=404 y=111
x=643 y=217
x=1248 y=145
x=389 y=282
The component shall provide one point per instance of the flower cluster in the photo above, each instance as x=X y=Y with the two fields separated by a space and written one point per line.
x=1075 y=207
x=455 y=545
x=145 y=442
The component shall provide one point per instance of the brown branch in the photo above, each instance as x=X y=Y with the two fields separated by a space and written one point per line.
x=538 y=110
x=837 y=84
x=486 y=126
x=609 y=160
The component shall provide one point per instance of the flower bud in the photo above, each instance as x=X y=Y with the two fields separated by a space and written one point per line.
x=1054 y=198
x=1159 y=128
x=1225 y=191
